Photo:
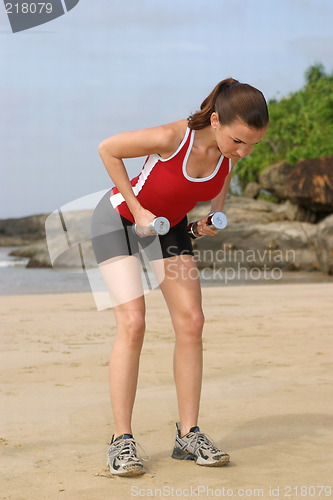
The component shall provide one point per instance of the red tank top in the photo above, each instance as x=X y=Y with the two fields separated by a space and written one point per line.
x=164 y=187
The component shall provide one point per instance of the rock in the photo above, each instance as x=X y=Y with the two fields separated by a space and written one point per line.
x=252 y=190
x=259 y=233
x=79 y=256
x=283 y=245
x=324 y=245
x=276 y=178
x=22 y=231
x=311 y=184
x=239 y=209
x=69 y=248
x=37 y=253
x=68 y=238
x=297 y=213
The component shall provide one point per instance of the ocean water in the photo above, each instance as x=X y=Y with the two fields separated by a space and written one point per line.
x=17 y=279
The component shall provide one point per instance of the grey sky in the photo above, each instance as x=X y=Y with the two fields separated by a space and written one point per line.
x=114 y=65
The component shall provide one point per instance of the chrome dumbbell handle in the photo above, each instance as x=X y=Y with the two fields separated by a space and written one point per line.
x=216 y=220
x=158 y=226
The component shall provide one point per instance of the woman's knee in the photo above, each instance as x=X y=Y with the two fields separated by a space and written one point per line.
x=190 y=323
x=131 y=327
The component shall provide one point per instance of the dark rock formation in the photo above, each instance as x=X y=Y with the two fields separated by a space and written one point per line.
x=311 y=184
x=22 y=231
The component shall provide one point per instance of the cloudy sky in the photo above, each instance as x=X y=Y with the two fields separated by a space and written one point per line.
x=114 y=65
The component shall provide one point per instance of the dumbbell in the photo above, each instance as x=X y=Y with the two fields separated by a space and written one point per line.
x=216 y=220
x=158 y=226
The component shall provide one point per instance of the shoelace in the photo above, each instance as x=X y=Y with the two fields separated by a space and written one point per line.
x=202 y=440
x=127 y=447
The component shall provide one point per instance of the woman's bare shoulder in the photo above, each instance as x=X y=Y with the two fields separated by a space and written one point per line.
x=173 y=134
x=163 y=139
x=179 y=127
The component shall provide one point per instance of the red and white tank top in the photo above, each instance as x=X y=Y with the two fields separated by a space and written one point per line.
x=164 y=187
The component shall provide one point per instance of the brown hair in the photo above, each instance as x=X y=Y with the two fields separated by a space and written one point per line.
x=232 y=100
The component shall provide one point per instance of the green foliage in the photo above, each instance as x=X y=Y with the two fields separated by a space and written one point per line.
x=301 y=126
x=267 y=197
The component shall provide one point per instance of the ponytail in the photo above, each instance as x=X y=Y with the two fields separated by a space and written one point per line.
x=232 y=100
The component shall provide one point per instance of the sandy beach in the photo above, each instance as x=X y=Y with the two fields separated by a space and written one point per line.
x=267 y=397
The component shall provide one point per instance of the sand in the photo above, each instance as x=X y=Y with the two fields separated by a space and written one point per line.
x=267 y=397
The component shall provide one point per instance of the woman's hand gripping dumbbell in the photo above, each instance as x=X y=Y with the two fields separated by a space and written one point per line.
x=157 y=226
x=215 y=221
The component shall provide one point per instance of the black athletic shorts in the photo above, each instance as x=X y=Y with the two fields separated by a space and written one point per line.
x=112 y=235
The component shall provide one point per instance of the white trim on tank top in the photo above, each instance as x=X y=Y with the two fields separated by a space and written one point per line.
x=178 y=149
x=199 y=179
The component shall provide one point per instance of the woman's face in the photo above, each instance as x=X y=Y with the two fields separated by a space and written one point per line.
x=236 y=141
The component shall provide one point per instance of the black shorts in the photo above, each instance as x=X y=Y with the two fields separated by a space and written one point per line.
x=112 y=235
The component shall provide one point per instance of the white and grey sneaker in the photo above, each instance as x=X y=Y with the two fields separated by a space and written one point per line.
x=197 y=446
x=122 y=457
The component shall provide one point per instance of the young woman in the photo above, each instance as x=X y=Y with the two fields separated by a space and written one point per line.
x=187 y=161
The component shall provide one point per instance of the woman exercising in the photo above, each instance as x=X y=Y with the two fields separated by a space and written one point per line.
x=188 y=161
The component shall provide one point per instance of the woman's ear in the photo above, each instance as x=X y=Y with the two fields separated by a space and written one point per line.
x=214 y=119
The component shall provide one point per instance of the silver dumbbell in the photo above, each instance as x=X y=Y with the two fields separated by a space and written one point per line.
x=216 y=220
x=158 y=226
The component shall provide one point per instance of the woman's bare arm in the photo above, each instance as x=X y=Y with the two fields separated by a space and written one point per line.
x=163 y=140
x=219 y=200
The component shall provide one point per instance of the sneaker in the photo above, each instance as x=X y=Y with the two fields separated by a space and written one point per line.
x=197 y=446
x=122 y=456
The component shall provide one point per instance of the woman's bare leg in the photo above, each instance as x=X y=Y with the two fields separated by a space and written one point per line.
x=181 y=289
x=124 y=362
x=123 y=280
